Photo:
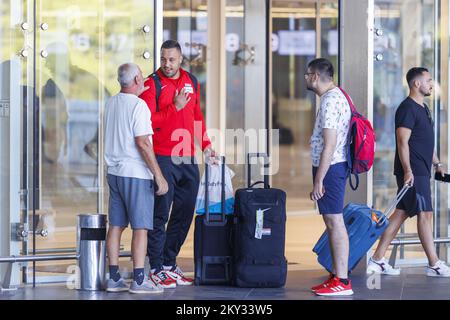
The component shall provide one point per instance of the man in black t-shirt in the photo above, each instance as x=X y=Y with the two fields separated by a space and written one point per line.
x=414 y=156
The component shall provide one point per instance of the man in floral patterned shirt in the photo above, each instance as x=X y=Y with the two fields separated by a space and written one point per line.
x=330 y=170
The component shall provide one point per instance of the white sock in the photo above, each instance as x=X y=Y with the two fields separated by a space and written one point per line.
x=153 y=270
x=167 y=268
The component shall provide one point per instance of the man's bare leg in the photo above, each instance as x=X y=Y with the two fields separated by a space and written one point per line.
x=395 y=222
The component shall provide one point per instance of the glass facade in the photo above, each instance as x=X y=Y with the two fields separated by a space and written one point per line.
x=68 y=58
x=16 y=103
x=302 y=31
x=235 y=88
x=58 y=66
x=403 y=44
x=186 y=21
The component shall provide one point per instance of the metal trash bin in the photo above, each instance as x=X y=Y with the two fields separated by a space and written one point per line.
x=91 y=250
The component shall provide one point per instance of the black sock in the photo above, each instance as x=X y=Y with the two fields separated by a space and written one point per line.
x=114 y=272
x=158 y=270
x=138 y=275
x=344 y=281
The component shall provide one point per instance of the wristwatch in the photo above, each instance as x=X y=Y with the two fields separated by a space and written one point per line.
x=437 y=165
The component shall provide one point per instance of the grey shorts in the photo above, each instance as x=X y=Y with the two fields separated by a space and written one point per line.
x=131 y=201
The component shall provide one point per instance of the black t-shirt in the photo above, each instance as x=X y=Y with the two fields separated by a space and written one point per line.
x=413 y=116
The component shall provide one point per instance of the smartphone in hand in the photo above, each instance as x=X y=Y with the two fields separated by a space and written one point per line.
x=444 y=178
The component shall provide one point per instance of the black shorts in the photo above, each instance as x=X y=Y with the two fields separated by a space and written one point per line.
x=418 y=198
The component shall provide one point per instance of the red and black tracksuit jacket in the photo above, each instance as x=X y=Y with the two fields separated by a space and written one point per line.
x=168 y=140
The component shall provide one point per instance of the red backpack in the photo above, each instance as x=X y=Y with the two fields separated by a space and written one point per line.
x=361 y=143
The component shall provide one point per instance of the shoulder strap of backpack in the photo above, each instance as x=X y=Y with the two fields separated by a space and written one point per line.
x=349 y=100
x=354 y=187
x=194 y=80
x=157 y=82
x=354 y=111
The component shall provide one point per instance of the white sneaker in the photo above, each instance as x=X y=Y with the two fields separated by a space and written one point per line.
x=381 y=267
x=176 y=273
x=440 y=269
x=163 y=280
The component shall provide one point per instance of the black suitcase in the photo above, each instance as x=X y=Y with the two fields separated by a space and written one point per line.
x=212 y=242
x=259 y=259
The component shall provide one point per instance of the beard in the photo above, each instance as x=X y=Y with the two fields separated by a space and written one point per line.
x=170 y=74
x=426 y=92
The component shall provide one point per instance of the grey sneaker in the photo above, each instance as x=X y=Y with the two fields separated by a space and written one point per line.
x=145 y=287
x=116 y=286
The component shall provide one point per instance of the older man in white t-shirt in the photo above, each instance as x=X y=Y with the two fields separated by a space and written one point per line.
x=330 y=170
x=132 y=171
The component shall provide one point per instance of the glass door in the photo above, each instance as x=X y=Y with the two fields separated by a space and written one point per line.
x=16 y=110
x=404 y=25
x=78 y=50
x=235 y=89
x=245 y=70
x=301 y=32
x=186 y=21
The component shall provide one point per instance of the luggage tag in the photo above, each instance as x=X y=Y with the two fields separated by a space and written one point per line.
x=259 y=230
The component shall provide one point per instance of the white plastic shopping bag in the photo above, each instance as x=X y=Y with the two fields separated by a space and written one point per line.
x=215 y=191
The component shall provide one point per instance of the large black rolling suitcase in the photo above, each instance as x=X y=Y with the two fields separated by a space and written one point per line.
x=212 y=242
x=259 y=234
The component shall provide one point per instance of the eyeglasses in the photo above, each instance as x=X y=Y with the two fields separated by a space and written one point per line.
x=307 y=74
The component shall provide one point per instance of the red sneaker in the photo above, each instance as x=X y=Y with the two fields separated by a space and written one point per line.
x=180 y=278
x=163 y=280
x=336 y=288
x=323 y=284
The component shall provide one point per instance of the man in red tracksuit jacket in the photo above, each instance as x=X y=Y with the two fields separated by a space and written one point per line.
x=177 y=123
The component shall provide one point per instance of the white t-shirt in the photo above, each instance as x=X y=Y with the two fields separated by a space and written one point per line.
x=334 y=113
x=126 y=117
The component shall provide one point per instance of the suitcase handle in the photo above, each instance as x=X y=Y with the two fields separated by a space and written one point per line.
x=259 y=182
x=393 y=204
x=266 y=165
x=209 y=220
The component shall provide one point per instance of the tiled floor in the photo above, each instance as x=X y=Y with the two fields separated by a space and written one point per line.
x=411 y=285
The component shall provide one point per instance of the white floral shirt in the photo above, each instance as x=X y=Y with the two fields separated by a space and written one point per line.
x=334 y=113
